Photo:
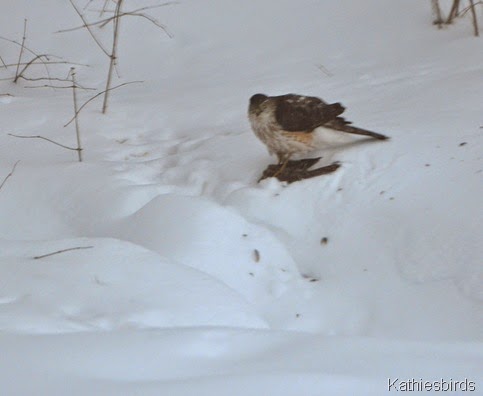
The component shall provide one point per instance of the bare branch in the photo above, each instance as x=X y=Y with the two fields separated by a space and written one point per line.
x=104 y=8
x=156 y=6
x=49 y=63
x=62 y=251
x=53 y=87
x=9 y=175
x=150 y=19
x=112 y=52
x=103 y=21
x=150 y=7
x=77 y=85
x=22 y=46
x=466 y=9
x=18 y=75
x=88 y=4
x=87 y=26
x=44 y=138
x=99 y=94
x=29 y=50
x=3 y=63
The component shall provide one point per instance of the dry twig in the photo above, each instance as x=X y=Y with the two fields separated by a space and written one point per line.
x=3 y=63
x=48 y=63
x=9 y=175
x=88 y=27
x=20 y=75
x=44 y=138
x=104 y=8
x=97 y=95
x=62 y=251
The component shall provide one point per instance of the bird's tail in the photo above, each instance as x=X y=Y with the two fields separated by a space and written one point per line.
x=343 y=126
x=365 y=132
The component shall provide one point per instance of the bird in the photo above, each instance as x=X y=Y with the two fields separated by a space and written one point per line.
x=287 y=124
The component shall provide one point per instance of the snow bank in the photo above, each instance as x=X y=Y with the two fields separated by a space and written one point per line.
x=111 y=285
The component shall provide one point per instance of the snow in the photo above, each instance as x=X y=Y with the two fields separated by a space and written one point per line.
x=195 y=279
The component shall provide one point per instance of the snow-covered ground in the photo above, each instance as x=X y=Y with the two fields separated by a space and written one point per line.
x=194 y=279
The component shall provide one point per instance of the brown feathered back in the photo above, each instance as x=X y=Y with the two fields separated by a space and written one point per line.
x=297 y=113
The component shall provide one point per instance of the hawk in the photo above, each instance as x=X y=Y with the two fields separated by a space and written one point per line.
x=287 y=124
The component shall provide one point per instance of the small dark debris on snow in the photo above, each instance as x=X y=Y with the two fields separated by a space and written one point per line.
x=382 y=192
x=297 y=315
x=324 y=241
x=427 y=165
x=251 y=274
x=339 y=189
x=310 y=278
x=244 y=235
x=463 y=143
x=256 y=255
x=391 y=199
x=365 y=270
x=99 y=282
x=298 y=170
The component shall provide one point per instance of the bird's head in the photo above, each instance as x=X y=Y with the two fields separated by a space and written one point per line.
x=256 y=101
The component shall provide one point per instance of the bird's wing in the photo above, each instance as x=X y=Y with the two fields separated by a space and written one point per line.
x=296 y=113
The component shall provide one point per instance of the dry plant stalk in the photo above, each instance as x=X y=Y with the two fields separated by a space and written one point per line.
x=74 y=87
x=21 y=49
x=113 y=54
x=454 y=11
x=475 y=19
x=77 y=128
x=437 y=15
